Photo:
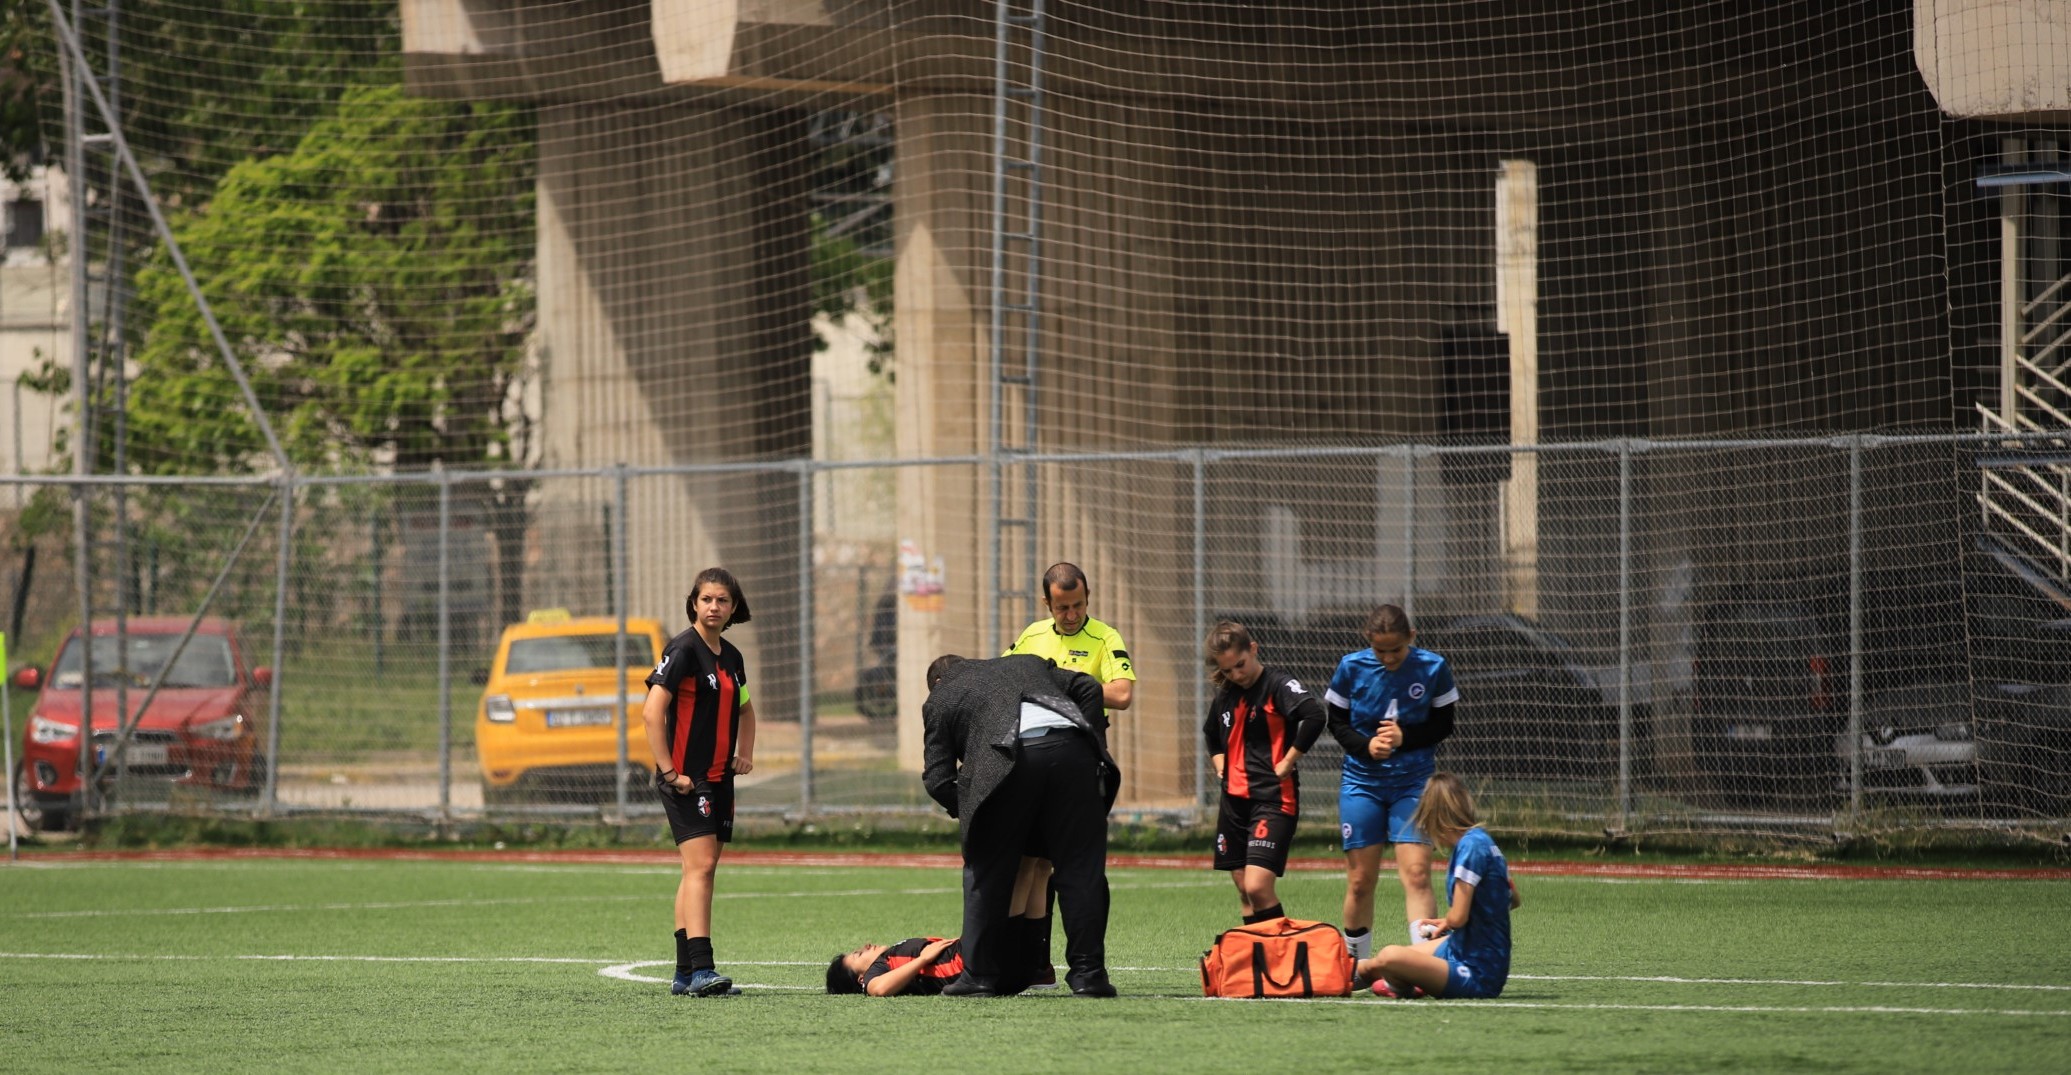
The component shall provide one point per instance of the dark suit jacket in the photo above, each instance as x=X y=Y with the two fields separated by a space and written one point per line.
x=973 y=718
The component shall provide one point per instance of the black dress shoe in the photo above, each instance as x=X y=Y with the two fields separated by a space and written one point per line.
x=963 y=985
x=1092 y=985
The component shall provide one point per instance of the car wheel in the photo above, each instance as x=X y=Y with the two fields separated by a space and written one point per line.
x=877 y=692
x=37 y=814
x=2020 y=788
x=255 y=778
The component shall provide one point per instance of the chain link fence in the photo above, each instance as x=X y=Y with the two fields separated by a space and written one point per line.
x=1746 y=637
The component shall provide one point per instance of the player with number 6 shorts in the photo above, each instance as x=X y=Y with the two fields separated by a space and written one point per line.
x=1261 y=722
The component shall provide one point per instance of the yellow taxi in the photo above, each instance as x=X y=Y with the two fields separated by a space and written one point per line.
x=547 y=727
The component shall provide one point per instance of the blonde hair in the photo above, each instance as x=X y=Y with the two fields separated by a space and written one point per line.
x=1225 y=636
x=1446 y=810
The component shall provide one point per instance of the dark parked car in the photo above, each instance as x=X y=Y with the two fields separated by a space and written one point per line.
x=1770 y=695
x=2021 y=646
x=202 y=729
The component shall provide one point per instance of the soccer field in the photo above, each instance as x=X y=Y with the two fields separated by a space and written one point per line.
x=272 y=963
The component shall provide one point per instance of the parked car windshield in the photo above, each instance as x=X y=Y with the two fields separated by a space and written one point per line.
x=563 y=653
x=204 y=663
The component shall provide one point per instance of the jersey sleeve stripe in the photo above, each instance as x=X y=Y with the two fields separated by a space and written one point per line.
x=1339 y=700
x=1468 y=876
x=1447 y=698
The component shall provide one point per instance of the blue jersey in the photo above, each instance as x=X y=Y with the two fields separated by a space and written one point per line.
x=1483 y=944
x=1373 y=694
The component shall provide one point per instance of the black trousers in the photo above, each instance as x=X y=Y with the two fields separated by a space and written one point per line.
x=1050 y=799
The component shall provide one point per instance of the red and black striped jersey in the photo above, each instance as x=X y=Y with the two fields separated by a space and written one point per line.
x=932 y=977
x=706 y=693
x=1254 y=727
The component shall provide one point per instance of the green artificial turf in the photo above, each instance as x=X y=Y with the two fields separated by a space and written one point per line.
x=371 y=965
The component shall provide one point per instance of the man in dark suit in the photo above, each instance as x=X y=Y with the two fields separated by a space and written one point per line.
x=1016 y=752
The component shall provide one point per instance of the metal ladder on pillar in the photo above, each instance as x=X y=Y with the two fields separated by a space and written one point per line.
x=1019 y=47
x=2024 y=488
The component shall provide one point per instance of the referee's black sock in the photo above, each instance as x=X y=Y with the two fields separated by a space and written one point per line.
x=699 y=949
x=1265 y=914
x=683 y=965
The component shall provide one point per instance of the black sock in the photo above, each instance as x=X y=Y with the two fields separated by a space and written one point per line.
x=1035 y=944
x=682 y=952
x=1265 y=914
x=700 y=949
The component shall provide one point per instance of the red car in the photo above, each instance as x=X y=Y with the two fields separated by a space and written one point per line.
x=204 y=728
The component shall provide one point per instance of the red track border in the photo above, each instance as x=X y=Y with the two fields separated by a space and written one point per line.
x=945 y=860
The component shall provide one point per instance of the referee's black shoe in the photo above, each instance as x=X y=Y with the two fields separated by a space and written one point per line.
x=963 y=985
x=1094 y=984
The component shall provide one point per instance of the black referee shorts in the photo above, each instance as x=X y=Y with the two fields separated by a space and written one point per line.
x=704 y=810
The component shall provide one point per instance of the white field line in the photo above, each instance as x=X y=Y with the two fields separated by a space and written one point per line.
x=580 y=961
x=491 y=901
x=629 y=972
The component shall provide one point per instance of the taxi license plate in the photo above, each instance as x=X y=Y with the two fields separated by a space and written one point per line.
x=578 y=718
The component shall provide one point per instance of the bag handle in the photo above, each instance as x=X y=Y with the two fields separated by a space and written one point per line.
x=1260 y=979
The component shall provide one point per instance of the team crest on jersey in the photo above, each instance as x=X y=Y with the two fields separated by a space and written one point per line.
x=712 y=680
x=1226 y=720
x=664 y=666
x=1416 y=690
x=1294 y=686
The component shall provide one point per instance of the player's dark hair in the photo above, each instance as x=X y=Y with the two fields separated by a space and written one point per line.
x=839 y=978
x=1062 y=576
x=1225 y=636
x=940 y=667
x=1446 y=809
x=725 y=578
x=1388 y=620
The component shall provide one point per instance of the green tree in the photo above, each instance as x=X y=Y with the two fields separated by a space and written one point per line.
x=375 y=284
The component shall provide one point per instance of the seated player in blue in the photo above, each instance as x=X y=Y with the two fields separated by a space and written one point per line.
x=1389 y=706
x=921 y=966
x=1468 y=954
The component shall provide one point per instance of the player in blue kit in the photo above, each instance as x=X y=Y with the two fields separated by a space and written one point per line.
x=1389 y=706
x=1469 y=953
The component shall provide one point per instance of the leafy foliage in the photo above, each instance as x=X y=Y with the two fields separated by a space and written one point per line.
x=374 y=284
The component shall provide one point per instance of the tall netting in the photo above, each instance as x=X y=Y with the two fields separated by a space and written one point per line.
x=1692 y=374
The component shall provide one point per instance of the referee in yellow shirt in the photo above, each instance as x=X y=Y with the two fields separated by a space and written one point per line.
x=1079 y=643
x=1076 y=641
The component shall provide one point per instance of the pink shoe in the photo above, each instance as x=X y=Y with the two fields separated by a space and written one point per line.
x=1380 y=989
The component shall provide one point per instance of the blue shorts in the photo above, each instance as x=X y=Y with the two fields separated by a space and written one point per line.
x=1369 y=816
x=1464 y=980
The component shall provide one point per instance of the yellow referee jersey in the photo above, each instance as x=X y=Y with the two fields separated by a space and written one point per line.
x=1095 y=649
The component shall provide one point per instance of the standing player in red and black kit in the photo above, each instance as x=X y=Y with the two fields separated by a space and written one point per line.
x=701 y=729
x=1258 y=727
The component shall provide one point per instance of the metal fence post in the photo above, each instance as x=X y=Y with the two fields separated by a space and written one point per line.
x=1855 y=654
x=1624 y=634
x=805 y=637
x=1409 y=531
x=282 y=559
x=445 y=648
x=1196 y=693
x=616 y=557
